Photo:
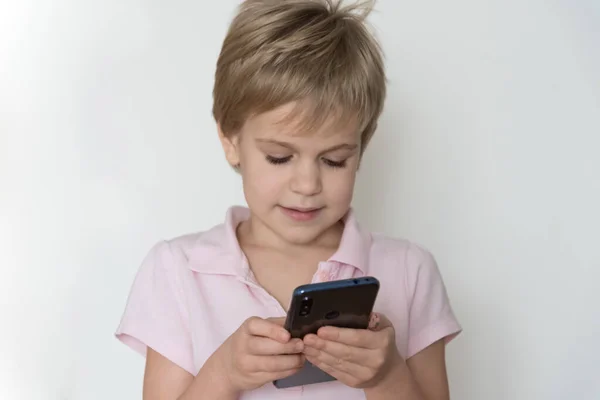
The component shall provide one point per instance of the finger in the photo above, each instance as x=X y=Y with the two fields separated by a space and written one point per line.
x=374 y=321
x=277 y=321
x=379 y=322
x=260 y=345
x=279 y=363
x=339 y=364
x=262 y=327
x=362 y=338
x=340 y=351
x=341 y=376
x=273 y=376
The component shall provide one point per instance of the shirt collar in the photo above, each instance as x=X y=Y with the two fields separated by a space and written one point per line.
x=355 y=244
x=217 y=251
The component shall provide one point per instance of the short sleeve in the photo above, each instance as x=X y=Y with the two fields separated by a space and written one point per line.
x=154 y=315
x=431 y=316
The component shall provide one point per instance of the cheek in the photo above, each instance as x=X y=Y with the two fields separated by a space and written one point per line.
x=339 y=186
x=260 y=180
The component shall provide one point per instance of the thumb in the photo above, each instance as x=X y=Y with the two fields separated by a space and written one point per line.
x=279 y=321
x=379 y=322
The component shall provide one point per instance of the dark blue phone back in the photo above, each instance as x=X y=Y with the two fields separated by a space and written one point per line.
x=344 y=303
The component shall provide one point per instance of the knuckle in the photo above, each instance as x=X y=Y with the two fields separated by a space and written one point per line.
x=347 y=354
x=379 y=360
x=251 y=323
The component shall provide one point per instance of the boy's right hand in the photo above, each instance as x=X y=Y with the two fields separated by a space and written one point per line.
x=260 y=351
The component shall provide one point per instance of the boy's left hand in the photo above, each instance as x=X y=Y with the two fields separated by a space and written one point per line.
x=360 y=358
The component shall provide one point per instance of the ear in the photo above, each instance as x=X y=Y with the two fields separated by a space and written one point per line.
x=230 y=147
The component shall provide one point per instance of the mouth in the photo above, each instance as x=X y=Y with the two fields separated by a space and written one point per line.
x=304 y=210
x=301 y=213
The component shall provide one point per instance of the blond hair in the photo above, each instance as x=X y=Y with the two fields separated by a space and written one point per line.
x=316 y=53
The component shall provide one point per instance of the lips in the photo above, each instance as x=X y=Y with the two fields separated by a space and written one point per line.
x=305 y=210
x=300 y=213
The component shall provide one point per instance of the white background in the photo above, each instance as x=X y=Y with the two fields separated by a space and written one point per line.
x=487 y=154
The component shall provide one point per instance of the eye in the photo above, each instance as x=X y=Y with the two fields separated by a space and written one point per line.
x=278 y=160
x=334 y=164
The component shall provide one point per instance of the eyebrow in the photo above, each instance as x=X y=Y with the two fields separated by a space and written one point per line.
x=343 y=146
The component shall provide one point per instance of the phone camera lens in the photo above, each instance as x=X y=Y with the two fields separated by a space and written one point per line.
x=305 y=306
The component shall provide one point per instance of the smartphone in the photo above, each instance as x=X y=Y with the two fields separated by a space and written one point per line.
x=346 y=303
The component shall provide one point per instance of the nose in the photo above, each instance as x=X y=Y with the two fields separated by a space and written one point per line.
x=306 y=179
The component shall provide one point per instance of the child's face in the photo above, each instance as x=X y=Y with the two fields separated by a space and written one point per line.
x=296 y=185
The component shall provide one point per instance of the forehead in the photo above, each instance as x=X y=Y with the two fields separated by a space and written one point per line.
x=292 y=120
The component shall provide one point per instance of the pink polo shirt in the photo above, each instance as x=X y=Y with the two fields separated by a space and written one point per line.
x=192 y=292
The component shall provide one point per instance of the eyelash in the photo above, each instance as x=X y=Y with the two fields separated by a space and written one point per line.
x=278 y=161
x=283 y=160
x=334 y=164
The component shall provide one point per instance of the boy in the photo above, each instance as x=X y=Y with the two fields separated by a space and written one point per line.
x=299 y=88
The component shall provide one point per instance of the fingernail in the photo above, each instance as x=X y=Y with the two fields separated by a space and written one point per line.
x=374 y=322
x=299 y=346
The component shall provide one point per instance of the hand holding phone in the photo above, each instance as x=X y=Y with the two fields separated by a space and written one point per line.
x=357 y=357
x=258 y=352
x=344 y=303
